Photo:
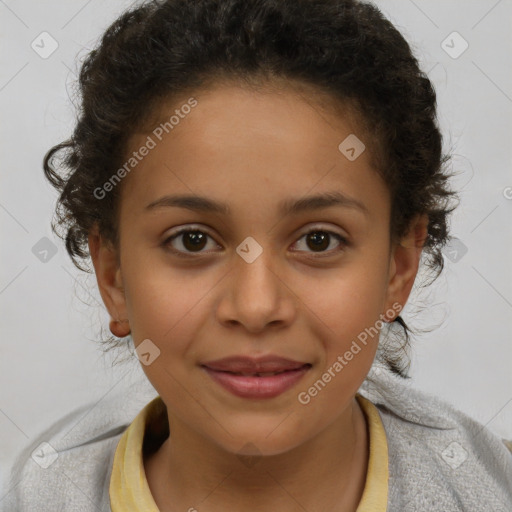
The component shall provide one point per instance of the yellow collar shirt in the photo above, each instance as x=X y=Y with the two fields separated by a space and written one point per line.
x=129 y=489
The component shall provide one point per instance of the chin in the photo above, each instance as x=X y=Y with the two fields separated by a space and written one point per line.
x=259 y=444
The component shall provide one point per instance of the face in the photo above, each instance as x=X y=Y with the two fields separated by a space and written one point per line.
x=267 y=274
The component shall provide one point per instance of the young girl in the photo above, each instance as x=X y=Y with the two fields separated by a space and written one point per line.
x=255 y=182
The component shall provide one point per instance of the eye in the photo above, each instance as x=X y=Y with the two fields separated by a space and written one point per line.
x=319 y=240
x=188 y=241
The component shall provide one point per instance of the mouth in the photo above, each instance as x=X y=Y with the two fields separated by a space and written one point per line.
x=256 y=380
x=246 y=365
x=259 y=374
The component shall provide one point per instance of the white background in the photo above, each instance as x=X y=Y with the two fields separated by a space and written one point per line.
x=49 y=361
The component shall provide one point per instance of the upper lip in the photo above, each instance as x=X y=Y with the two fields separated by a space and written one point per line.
x=245 y=364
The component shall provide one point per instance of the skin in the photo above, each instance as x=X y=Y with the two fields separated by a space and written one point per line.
x=251 y=149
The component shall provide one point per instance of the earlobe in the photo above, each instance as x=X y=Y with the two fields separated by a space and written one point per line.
x=404 y=263
x=110 y=282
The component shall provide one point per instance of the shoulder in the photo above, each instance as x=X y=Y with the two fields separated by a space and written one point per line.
x=439 y=457
x=68 y=466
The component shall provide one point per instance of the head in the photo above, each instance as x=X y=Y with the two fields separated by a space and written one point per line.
x=256 y=107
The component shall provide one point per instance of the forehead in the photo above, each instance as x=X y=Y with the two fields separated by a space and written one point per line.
x=238 y=143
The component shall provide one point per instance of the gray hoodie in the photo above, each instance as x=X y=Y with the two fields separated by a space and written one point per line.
x=440 y=459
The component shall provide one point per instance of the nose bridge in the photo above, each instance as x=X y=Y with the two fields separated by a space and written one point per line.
x=256 y=295
x=255 y=272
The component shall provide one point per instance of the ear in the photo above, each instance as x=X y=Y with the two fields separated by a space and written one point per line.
x=110 y=282
x=404 y=263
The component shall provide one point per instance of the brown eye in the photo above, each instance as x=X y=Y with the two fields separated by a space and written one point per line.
x=318 y=240
x=188 y=241
x=194 y=240
x=321 y=241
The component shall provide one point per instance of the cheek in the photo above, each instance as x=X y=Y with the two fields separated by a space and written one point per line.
x=347 y=310
x=168 y=308
x=347 y=320
x=350 y=299
x=163 y=302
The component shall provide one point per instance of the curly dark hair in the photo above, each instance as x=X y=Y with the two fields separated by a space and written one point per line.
x=346 y=49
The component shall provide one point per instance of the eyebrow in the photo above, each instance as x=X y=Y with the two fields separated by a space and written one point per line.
x=286 y=207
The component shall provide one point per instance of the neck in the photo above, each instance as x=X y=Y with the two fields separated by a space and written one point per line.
x=328 y=472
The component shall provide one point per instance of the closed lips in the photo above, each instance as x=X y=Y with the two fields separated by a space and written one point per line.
x=256 y=377
x=244 y=365
x=264 y=374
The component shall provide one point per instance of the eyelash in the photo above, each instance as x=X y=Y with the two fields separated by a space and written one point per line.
x=166 y=244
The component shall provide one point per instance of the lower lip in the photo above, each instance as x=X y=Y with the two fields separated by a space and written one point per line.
x=257 y=387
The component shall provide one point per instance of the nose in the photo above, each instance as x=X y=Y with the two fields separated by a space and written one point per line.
x=256 y=295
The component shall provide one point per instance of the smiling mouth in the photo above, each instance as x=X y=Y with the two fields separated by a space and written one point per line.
x=264 y=374
x=258 y=385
